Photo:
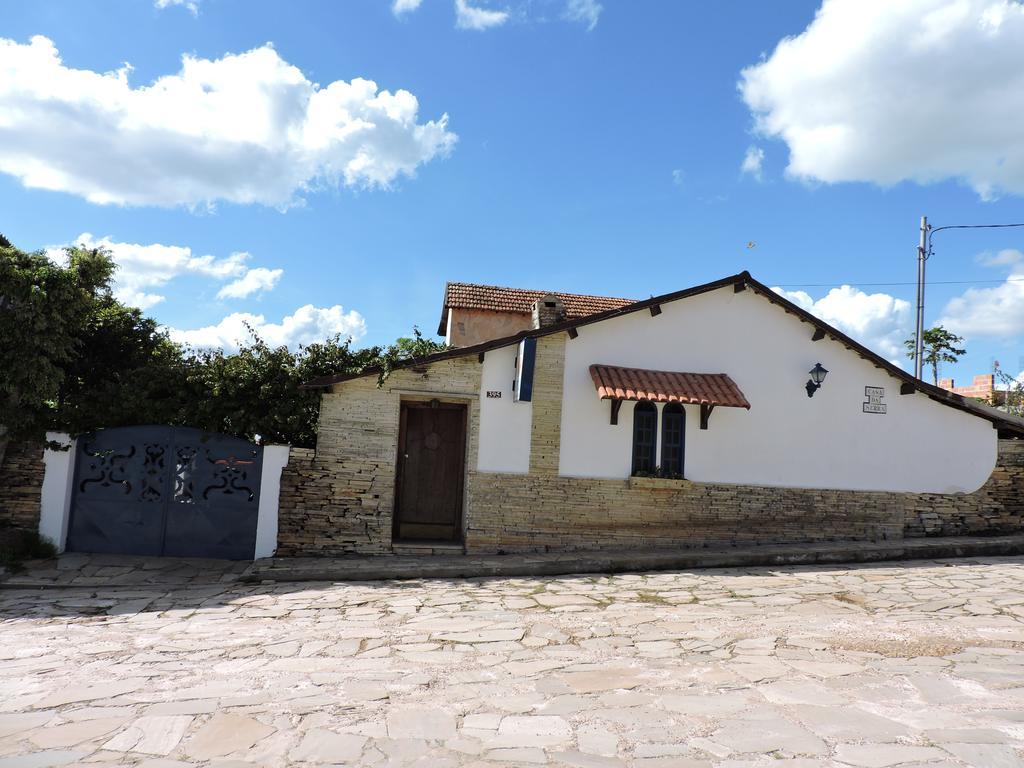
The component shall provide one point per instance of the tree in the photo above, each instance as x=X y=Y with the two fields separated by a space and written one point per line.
x=406 y=348
x=125 y=370
x=940 y=346
x=257 y=390
x=43 y=306
x=1013 y=387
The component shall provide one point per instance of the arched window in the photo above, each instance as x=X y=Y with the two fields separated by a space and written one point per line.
x=645 y=434
x=673 y=438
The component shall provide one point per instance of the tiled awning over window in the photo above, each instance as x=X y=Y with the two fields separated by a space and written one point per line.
x=615 y=383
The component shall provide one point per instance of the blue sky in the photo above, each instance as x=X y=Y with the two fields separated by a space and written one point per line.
x=604 y=147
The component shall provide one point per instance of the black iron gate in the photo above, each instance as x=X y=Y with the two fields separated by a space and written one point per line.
x=171 y=491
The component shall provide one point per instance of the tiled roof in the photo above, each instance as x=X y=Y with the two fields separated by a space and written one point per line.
x=498 y=299
x=614 y=383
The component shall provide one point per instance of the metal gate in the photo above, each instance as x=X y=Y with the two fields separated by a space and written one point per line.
x=172 y=491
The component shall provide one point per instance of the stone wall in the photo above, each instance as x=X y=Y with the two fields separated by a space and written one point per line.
x=21 y=483
x=997 y=507
x=341 y=500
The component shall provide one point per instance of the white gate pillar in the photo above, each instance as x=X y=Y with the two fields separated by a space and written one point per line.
x=55 y=498
x=275 y=457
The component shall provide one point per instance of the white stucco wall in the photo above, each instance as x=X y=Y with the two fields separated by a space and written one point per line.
x=786 y=439
x=55 y=496
x=275 y=457
x=504 y=423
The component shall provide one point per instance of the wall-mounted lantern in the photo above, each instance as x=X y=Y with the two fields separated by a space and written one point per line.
x=818 y=374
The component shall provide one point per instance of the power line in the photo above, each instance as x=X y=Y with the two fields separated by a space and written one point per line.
x=934 y=282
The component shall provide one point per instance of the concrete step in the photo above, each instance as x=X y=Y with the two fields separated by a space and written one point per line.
x=443 y=565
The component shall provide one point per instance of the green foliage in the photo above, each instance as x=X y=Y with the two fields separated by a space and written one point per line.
x=17 y=545
x=940 y=346
x=43 y=306
x=1013 y=392
x=125 y=371
x=405 y=349
x=257 y=391
x=74 y=359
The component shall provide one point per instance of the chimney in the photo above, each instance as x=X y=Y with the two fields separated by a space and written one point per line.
x=548 y=310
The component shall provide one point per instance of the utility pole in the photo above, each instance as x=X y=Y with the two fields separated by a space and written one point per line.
x=922 y=256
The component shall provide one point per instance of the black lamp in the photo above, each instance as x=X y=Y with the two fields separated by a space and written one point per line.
x=818 y=374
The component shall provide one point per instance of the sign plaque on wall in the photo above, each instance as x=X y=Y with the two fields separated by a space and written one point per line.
x=874 y=403
x=494 y=393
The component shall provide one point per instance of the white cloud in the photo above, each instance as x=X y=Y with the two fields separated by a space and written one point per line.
x=678 y=177
x=245 y=128
x=1005 y=257
x=253 y=281
x=878 y=321
x=191 y=5
x=143 y=268
x=996 y=311
x=752 y=162
x=401 y=7
x=471 y=17
x=306 y=325
x=584 y=11
x=882 y=91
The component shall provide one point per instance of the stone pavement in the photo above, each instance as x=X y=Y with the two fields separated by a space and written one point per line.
x=903 y=664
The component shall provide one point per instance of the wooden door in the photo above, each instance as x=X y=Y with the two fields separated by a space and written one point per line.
x=431 y=468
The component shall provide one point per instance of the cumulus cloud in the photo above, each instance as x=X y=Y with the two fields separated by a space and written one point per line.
x=253 y=281
x=878 y=321
x=306 y=325
x=245 y=128
x=585 y=12
x=400 y=7
x=752 y=162
x=996 y=311
x=471 y=17
x=191 y=5
x=881 y=91
x=141 y=269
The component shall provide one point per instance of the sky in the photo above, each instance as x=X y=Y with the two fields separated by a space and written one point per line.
x=313 y=168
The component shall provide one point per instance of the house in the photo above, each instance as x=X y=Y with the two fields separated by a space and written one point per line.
x=982 y=388
x=474 y=313
x=718 y=414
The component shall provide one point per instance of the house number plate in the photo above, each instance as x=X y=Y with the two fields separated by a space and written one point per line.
x=494 y=393
x=874 y=403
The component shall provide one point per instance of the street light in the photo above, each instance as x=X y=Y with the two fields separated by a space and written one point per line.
x=818 y=374
x=924 y=250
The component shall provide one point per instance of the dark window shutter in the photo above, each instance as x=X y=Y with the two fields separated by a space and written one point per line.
x=645 y=436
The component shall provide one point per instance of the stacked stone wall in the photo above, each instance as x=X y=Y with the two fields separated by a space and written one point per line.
x=21 y=484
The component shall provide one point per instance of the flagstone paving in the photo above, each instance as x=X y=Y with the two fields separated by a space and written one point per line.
x=908 y=664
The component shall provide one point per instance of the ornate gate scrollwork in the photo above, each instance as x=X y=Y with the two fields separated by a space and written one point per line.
x=165 y=491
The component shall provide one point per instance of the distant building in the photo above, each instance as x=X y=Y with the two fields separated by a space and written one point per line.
x=476 y=313
x=983 y=388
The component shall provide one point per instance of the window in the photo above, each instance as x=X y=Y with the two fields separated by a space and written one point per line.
x=673 y=439
x=645 y=432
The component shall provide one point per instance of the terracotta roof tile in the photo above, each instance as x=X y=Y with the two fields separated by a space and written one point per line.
x=615 y=383
x=498 y=299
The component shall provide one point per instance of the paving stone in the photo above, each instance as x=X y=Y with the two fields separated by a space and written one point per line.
x=69 y=734
x=768 y=735
x=987 y=755
x=433 y=724
x=323 y=746
x=885 y=755
x=741 y=667
x=224 y=734
x=602 y=680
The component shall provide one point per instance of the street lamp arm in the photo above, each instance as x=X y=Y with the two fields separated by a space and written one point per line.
x=933 y=230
